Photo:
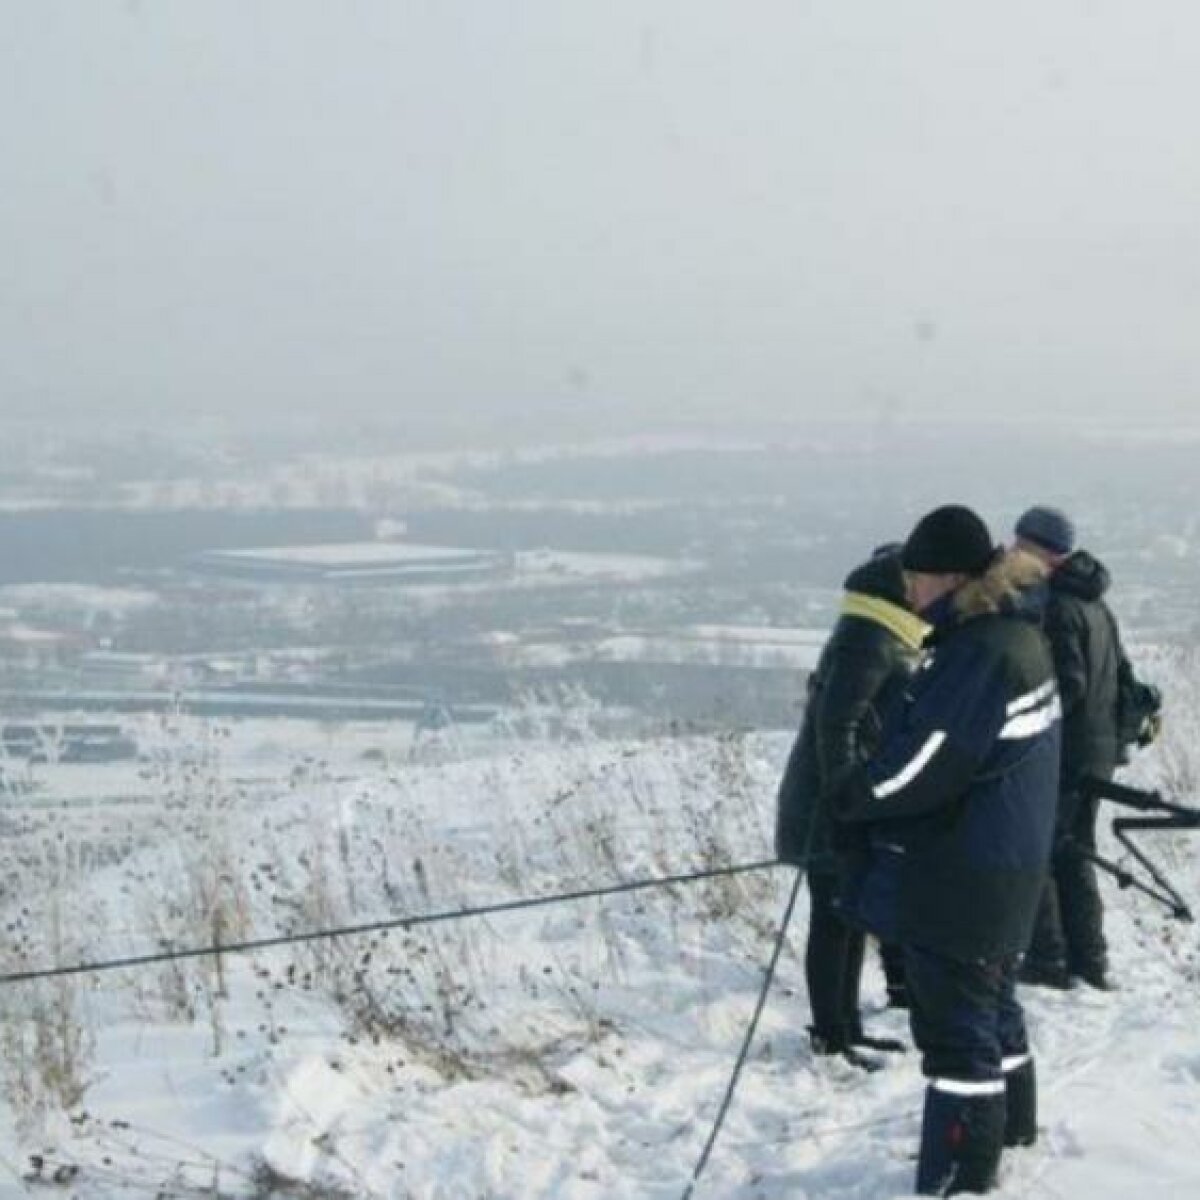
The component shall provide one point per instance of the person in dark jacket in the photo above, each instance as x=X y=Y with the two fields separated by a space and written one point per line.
x=1068 y=939
x=959 y=803
x=863 y=665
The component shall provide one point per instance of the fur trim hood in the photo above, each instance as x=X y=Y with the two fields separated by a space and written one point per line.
x=1001 y=587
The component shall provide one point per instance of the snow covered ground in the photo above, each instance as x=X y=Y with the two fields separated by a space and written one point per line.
x=577 y=1051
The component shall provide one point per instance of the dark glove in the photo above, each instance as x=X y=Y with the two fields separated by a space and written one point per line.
x=1151 y=728
x=848 y=794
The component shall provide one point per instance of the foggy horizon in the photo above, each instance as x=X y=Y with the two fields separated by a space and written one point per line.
x=578 y=220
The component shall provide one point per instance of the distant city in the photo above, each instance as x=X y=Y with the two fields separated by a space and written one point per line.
x=683 y=580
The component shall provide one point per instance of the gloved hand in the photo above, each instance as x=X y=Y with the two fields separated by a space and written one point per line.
x=1151 y=728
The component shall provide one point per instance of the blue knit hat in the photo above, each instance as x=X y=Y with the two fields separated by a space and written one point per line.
x=1047 y=527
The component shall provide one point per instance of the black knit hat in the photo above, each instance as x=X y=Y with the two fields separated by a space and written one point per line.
x=950 y=540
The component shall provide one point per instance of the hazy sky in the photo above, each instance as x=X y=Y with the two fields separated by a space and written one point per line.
x=630 y=209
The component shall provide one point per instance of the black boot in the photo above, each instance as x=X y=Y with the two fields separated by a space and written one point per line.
x=856 y=1037
x=1095 y=975
x=885 y=1044
x=961 y=1141
x=1020 y=1103
x=1045 y=974
x=827 y=1045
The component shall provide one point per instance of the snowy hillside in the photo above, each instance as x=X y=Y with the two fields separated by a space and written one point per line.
x=576 y=1051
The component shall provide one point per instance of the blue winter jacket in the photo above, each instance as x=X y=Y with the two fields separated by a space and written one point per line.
x=960 y=796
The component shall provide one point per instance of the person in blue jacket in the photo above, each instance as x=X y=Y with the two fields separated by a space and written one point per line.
x=959 y=806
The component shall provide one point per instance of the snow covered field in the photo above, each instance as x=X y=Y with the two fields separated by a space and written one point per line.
x=578 y=1050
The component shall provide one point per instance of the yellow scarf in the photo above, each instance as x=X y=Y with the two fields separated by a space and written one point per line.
x=907 y=626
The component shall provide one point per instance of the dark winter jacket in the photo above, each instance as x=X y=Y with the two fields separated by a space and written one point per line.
x=863 y=666
x=960 y=797
x=1087 y=660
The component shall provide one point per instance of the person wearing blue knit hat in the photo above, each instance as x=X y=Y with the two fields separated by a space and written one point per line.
x=1068 y=938
x=1046 y=530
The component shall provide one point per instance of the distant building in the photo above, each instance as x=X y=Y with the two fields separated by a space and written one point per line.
x=353 y=562
x=32 y=648
x=71 y=743
x=122 y=668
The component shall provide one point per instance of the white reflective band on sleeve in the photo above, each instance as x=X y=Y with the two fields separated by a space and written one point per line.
x=1014 y=1061
x=1030 y=724
x=1030 y=699
x=968 y=1087
x=908 y=773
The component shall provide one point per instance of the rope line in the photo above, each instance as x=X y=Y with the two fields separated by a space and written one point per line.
x=751 y=1029
x=409 y=922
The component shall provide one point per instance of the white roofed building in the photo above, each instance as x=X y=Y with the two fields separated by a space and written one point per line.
x=353 y=562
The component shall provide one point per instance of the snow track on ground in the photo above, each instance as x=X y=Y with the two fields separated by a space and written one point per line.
x=596 y=1066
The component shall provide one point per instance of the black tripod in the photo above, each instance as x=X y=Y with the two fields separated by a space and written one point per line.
x=1166 y=816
